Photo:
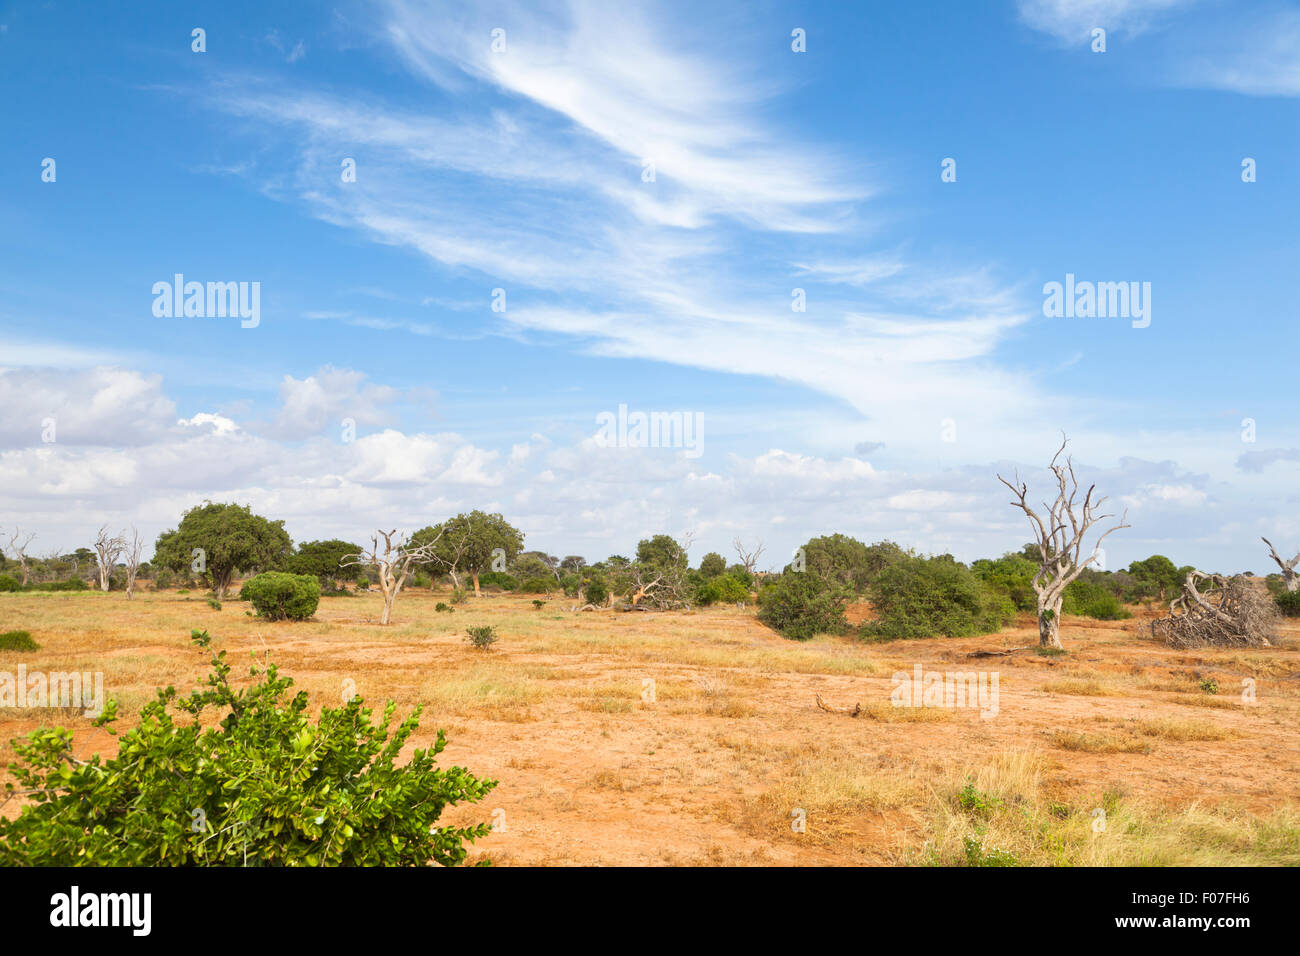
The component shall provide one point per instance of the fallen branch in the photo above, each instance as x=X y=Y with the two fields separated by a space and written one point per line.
x=857 y=708
x=1008 y=651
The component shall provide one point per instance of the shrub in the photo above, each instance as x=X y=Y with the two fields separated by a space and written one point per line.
x=498 y=579
x=71 y=584
x=1090 y=598
x=537 y=585
x=721 y=589
x=1011 y=575
x=263 y=785
x=214 y=604
x=538 y=605
x=1288 y=603
x=278 y=596
x=18 y=641
x=481 y=636
x=442 y=606
x=597 y=592
x=801 y=604
x=458 y=596
x=929 y=597
x=8 y=583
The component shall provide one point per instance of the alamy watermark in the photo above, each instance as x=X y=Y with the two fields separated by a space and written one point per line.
x=212 y=300
x=1098 y=300
x=57 y=689
x=626 y=429
x=946 y=689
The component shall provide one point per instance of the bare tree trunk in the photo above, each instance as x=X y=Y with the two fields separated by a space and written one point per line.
x=1049 y=621
x=477 y=592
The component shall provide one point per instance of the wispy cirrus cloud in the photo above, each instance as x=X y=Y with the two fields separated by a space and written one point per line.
x=531 y=174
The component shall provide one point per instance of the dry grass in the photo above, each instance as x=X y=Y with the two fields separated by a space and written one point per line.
x=692 y=738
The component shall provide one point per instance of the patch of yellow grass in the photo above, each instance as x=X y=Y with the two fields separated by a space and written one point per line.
x=1008 y=817
x=1099 y=743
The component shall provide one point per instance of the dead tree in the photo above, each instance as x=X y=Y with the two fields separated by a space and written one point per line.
x=1289 y=577
x=747 y=558
x=107 y=551
x=395 y=563
x=1059 y=536
x=658 y=587
x=18 y=545
x=1214 y=610
x=133 y=552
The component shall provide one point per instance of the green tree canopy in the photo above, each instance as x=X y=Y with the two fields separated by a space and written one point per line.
x=216 y=540
x=713 y=564
x=322 y=559
x=469 y=541
x=661 y=551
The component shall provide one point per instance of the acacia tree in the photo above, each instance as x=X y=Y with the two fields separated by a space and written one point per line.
x=474 y=540
x=217 y=540
x=108 y=548
x=1059 y=536
x=395 y=563
x=19 y=542
x=133 y=552
x=1289 y=577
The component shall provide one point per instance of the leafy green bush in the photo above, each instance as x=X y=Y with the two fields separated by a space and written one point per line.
x=930 y=597
x=538 y=585
x=498 y=579
x=1288 y=603
x=597 y=592
x=443 y=606
x=71 y=584
x=481 y=636
x=800 y=604
x=8 y=583
x=18 y=641
x=266 y=786
x=1090 y=598
x=538 y=605
x=722 y=589
x=278 y=596
x=1011 y=575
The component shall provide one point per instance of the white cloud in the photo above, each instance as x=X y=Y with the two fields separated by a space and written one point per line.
x=1073 y=20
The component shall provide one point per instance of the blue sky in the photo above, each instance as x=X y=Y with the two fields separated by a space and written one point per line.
x=922 y=364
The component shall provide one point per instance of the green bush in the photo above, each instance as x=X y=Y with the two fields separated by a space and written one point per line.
x=214 y=604
x=442 y=607
x=8 y=583
x=498 y=579
x=1288 y=603
x=18 y=641
x=1091 y=598
x=1011 y=575
x=932 y=597
x=723 y=589
x=278 y=596
x=800 y=604
x=538 y=585
x=597 y=592
x=481 y=636
x=71 y=584
x=538 y=605
x=262 y=786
